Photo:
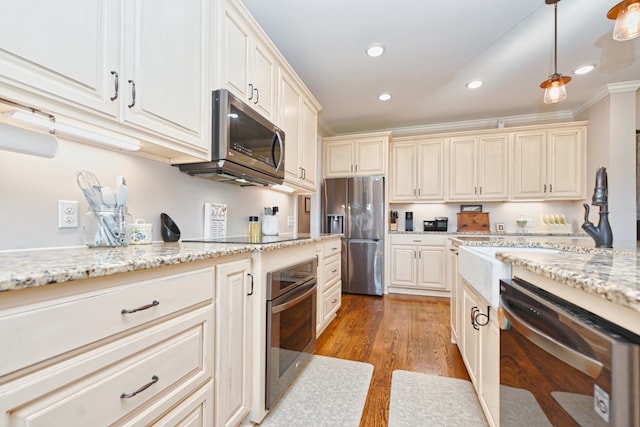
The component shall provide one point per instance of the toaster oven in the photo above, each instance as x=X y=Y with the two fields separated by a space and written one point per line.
x=437 y=224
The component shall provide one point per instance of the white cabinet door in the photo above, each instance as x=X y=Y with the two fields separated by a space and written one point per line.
x=452 y=283
x=530 y=164
x=338 y=159
x=309 y=153
x=463 y=172
x=566 y=171
x=370 y=156
x=263 y=80
x=431 y=172
x=165 y=49
x=403 y=265
x=493 y=167
x=431 y=268
x=65 y=50
x=290 y=120
x=232 y=380
x=403 y=172
x=471 y=336
x=490 y=367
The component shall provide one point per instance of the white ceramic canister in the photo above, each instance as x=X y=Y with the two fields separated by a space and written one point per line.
x=140 y=232
x=270 y=225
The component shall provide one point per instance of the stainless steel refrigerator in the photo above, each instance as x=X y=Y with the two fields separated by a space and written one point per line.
x=355 y=207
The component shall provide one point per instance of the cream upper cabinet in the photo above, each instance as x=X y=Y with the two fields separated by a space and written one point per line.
x=298 y=117
x=417 y=170
x=550 y=163
x=479 y=167
x=70 y=52
x=165 y=78
x=92 y=61
x=234 y=289
x=356 y=155
x=246 y=67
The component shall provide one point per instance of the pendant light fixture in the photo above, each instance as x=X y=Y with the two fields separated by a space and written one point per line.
x=627 y=16
x=555 y=86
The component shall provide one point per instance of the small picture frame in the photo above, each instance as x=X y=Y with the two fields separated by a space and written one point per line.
x=500 y=228
x=470 y=208
x=307 y=204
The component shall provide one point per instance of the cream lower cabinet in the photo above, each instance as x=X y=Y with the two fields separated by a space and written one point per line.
x=456 y=297
x=234 y=289
x=329 y=283
x=356 y=155
x=126 y=350
x=479 y=167
x=418 y=265
x=550 y=163
x=417 y=170
x=479 y=343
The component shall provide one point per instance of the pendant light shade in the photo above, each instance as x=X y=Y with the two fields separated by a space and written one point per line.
x=555 y=89
x=627 y=16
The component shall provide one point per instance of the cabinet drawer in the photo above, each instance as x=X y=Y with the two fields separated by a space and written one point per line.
x=331 y=300
x=165 y=363
x=332 y=247
x=35 y=333
x=418 y=239
x=332 y=270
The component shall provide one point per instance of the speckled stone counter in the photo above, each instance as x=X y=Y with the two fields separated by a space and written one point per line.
x=31 y=268
x=612 y=274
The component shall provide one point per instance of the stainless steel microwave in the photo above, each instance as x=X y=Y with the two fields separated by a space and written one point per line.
x=246 y=149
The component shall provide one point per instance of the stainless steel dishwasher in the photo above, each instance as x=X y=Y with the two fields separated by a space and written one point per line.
x=563 y=366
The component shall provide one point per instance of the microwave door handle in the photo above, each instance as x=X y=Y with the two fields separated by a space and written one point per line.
x=276 y=136
x=583 y=363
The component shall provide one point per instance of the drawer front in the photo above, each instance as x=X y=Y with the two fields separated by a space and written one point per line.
x=418 y=239
x=332 y=299
x=38 y=332
x=332 y=270
x=104 y=386
x=332 y=247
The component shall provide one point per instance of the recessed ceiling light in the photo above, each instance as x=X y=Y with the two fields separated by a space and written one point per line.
x=375 y=50
x=384 y=96
x=475 y=84
x=584 y=69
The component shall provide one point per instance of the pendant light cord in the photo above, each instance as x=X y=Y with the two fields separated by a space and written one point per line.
x=555 y=38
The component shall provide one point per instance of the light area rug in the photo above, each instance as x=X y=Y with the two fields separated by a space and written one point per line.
x=328 y=392
x=519 y=407
x=419 y=399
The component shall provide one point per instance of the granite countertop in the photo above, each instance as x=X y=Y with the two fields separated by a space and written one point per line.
x=39 y=267
x=613 y=274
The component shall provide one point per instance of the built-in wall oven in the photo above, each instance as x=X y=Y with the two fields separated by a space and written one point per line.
x=563 y=366
x=291 y=325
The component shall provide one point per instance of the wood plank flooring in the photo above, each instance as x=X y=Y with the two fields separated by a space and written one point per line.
x=392 y=332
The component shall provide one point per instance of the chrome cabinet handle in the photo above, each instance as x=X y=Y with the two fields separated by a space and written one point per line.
x=133 y=94
x=257 y=95
x=250 y=92
x=144 y=307
x=550 y=188
x=250 y=293
x=154 y=379
x=477 y=315
x=480 y=190
x=115 y=85
x=545 y=188
x=334 y=271
x=334 y=301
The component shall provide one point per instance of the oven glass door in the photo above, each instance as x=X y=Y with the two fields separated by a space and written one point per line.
x=291 y=338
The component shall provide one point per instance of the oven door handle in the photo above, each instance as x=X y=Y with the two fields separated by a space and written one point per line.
x=277 y=138
x=581 y=362
x=308 y=290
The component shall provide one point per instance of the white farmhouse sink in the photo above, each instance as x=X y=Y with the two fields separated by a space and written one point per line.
x=480 y=268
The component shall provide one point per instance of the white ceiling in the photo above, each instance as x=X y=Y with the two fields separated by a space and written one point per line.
x=434 y=48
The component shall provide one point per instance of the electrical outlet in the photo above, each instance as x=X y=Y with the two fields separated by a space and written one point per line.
x=289 y=221
x=67 y=213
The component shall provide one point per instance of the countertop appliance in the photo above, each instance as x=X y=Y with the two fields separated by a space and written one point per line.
x=355 y=207
x=246 y=148
x=440 y=223
x=562 y=364
x=291 y=325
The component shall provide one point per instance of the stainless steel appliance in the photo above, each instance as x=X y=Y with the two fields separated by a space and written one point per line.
x=291 y=325
x=355 y=207
x=440 y=223
x=563 y=366
x=246 y=148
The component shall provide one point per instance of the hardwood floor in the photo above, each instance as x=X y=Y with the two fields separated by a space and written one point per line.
x=392 y=332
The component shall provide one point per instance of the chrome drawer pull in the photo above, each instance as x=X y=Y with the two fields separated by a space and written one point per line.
x=144 y=307
x=334 y=271
x=154 y=379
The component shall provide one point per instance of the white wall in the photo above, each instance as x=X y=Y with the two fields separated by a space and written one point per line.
x=30 y=188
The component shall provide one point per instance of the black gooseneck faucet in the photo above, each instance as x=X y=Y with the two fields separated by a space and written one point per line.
x=602 y=234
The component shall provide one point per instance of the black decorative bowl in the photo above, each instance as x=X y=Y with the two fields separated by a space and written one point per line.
x=168 y=229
